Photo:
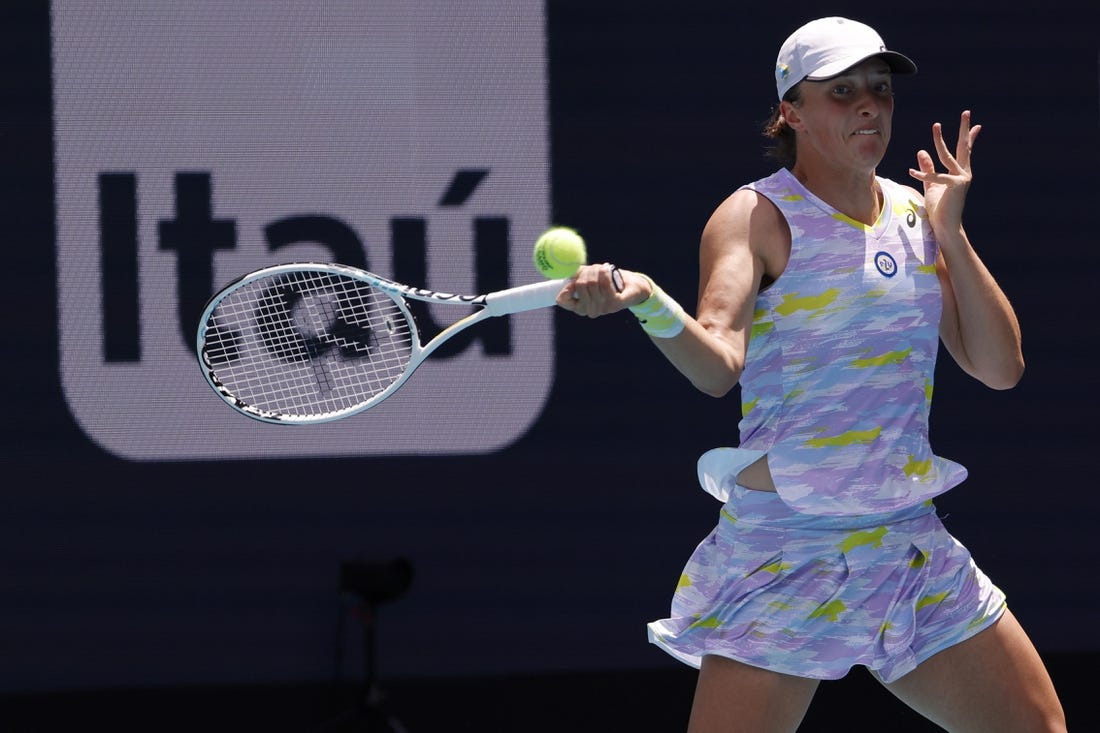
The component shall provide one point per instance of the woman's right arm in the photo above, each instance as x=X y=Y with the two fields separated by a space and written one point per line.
x=737 y=249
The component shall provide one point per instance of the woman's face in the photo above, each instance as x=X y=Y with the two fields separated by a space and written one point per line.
x=846 y=120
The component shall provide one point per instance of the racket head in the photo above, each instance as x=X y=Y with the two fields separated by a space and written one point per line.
x=306 y=343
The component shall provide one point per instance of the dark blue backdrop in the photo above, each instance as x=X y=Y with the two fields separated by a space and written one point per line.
x=553 y=553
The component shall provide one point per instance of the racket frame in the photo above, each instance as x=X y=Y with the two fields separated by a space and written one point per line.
x=490 y=305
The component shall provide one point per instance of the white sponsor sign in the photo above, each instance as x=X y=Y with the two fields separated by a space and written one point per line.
x=198 y=141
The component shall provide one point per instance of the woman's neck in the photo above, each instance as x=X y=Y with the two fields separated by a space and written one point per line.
x=855 y=194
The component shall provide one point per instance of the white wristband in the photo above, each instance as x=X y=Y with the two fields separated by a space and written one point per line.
x=659 y=315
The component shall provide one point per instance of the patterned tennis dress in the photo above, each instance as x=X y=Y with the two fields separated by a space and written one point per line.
x=847 y=563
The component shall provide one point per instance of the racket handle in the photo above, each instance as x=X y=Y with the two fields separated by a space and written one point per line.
x=535 y=295
x=524 y=298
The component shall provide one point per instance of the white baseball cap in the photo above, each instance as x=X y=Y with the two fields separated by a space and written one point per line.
x=825 y=47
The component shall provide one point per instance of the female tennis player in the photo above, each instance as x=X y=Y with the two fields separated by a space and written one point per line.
x=825 y=291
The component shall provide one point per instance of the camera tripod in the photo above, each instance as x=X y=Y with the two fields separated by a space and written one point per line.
x=371 y=584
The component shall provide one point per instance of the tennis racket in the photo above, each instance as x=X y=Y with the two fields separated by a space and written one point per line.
x=307 y=342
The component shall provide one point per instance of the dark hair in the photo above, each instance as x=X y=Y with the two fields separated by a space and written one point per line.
x=783 y=146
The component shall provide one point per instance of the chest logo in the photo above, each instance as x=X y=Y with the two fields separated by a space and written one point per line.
x=885 y=264
x=911 y=215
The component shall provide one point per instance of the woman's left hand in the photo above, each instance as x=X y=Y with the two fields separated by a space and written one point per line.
x=945 y=193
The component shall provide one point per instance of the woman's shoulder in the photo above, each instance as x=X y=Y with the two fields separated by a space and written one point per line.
x=748 y=211
x=899 y=190
x=749 y=218
x=780 y=182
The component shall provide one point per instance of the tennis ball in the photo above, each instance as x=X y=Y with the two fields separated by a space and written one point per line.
x=560 y=252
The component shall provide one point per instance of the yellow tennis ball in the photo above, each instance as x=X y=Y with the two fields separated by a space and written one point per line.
x=560 y=252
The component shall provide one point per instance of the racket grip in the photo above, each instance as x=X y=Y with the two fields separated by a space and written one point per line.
x=524 y=298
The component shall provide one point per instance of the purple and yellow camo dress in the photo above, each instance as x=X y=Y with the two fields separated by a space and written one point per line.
x=847 y=563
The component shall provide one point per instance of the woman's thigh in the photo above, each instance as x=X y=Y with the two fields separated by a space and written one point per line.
x=994 y=681
x=732 y=697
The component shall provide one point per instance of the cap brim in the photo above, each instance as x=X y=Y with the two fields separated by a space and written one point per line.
x=898 y=63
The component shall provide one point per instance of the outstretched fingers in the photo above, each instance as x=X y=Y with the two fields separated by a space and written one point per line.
x=957 y=165
x=965 y=143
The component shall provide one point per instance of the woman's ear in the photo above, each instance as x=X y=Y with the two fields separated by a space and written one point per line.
x=791 y=116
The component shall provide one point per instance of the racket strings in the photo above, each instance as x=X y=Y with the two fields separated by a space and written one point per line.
x=307 y=343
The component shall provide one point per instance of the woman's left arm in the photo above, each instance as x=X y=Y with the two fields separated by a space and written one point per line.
x=979 y=326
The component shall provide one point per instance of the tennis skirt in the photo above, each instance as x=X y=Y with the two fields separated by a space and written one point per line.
x=814 y=596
